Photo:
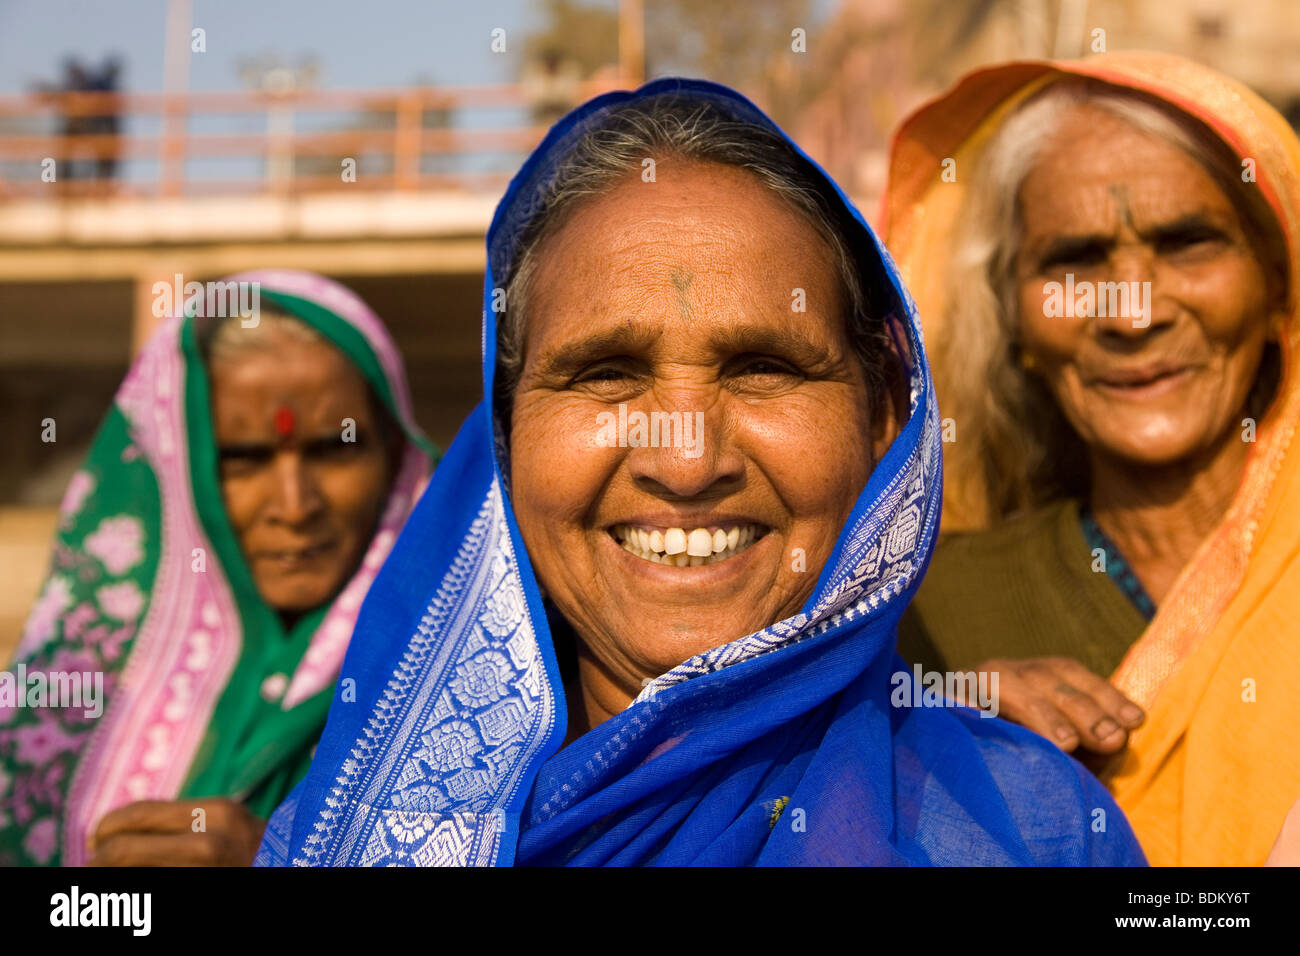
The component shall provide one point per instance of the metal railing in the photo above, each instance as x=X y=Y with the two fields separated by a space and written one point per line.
x=405 y=132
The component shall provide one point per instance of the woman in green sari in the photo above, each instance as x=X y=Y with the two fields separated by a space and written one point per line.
x=212 y=554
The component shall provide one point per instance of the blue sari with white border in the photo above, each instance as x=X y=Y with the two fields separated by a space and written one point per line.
x=780 y=748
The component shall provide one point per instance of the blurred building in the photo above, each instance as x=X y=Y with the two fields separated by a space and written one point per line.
x=882 y=58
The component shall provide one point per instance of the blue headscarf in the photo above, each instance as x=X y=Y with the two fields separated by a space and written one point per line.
x=781 y=747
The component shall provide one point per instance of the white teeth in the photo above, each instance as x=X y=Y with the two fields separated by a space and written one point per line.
x=677 y=547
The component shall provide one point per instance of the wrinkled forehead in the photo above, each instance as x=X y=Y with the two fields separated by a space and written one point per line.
x=701 y=230
x=1124 y=175
x=517 y=216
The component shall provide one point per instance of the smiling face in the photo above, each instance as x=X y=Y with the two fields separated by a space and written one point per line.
x=1109 y=203
x=675 y=297
x=302 y=500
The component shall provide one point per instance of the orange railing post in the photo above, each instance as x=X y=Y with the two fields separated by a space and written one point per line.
x=406 y=140
x=174 y=142
x=171 y=173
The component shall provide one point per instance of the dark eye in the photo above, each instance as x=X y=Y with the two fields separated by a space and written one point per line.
x=1186 y=240
x=1090 y=254
x=243 y=459
x=609 y=378
x=604 y=373
x=763 y=374
x=334 y=448
x=763 y=365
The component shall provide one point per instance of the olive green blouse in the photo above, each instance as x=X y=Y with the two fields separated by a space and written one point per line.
x=1026 y=588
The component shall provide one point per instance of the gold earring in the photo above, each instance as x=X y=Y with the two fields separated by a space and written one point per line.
x=1027 y=362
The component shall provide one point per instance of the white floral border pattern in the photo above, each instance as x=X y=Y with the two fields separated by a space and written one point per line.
x=465 y=710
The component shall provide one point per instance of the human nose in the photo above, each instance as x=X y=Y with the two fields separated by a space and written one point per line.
x=687 y=452
x=297 y=499
x=1128 y=305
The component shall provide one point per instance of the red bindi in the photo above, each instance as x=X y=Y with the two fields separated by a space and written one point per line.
x=284 y=421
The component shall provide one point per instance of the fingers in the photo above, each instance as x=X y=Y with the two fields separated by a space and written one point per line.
x=1095 y=728
x=1021 y=701
x=1128 y=714
x=158 y=833
x=227 y=819
x=1099 y=714
x=159 y=849
x=144 y=816
x=1064 y=701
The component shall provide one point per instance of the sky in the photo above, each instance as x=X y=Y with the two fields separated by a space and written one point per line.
x=359 y=43
x=370 y=44
x=366 y=44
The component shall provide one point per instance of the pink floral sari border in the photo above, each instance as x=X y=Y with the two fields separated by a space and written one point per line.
x=147 y=739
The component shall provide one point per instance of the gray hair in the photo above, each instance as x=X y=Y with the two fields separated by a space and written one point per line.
x=691 y=128
x=225 y=338
x=1017 y=450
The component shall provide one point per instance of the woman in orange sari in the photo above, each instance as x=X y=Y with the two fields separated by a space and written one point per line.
x=1104 y=255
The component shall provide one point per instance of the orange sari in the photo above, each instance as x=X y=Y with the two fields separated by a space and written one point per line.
x=1209 y=778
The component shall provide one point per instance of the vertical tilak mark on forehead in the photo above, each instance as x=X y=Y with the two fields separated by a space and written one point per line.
x=681 y=282
x=1120 y=195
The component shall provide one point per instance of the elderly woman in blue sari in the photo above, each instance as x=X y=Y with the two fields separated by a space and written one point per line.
x=645 y=612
